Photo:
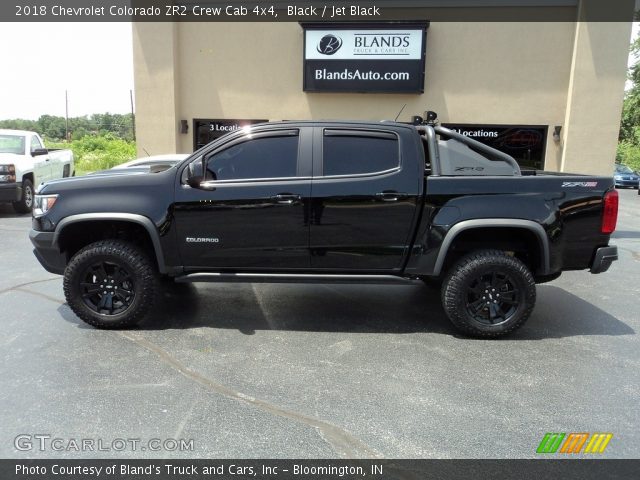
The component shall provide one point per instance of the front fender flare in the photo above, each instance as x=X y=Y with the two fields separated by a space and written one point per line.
x=127 y=217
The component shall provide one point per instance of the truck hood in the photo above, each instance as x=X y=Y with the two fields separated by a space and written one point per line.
x=121 y=171
x=109 y=179
x=133 y=170
x=7 y=158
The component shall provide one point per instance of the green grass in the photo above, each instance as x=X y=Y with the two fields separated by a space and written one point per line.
x=98 y=152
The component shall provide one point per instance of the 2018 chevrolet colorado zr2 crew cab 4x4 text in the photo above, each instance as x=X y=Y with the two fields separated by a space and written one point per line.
x=328 y=202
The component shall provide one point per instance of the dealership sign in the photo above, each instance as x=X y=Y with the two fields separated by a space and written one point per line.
x=379 y=57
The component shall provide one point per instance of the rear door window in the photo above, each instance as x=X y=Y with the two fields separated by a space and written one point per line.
x=359 y=152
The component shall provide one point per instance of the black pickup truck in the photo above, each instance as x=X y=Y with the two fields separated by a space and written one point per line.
x=328 y=202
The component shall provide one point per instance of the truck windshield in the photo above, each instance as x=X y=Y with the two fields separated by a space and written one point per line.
x=12 y=144
x=623 y=169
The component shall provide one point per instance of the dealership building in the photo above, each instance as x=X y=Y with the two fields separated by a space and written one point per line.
x=547 y=92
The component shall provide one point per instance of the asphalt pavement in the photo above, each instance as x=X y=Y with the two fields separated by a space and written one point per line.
x=316 y=371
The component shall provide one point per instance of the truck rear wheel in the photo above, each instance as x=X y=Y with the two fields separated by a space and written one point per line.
x=110 y=284
x=488 y=294
x=25 y=204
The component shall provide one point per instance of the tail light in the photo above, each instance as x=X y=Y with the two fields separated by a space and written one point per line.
x=610 y=212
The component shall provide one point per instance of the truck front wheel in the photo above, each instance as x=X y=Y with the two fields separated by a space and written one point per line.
x=488 y=294
x=110 y=284
x=25 y=204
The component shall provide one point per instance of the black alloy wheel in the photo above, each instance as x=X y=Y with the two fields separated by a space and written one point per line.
x=488 y=293
x=111 y=283
x=108 y=288
x=492 y=298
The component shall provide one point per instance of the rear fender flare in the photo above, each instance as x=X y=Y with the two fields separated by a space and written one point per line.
x=530 y=225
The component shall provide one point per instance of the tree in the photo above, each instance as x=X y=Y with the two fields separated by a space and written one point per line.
x=629 y=137
x=631 y=107
x=18 y=124
x=54 y=128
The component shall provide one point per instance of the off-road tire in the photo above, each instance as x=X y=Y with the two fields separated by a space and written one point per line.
x=126 y=266
x=25 y=204
x=471 y=282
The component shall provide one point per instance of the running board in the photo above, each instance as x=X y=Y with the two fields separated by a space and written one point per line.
x=294 y=278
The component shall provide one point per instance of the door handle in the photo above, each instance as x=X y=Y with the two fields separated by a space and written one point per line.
x=286 y=198
x=390 y=196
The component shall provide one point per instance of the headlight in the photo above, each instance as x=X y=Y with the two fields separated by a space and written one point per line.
x=618 y=177
x=43 y=203
x=8 y=169
x=7 y=178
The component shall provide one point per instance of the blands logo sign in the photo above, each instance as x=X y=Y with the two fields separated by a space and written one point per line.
x=573 y=443
x=403 y=44
x=329 y=44
x=373 y=57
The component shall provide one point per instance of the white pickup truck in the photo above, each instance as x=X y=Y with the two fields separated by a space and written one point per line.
x=25 y=163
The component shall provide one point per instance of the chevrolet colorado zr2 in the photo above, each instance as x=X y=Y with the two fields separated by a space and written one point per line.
x=323 y=202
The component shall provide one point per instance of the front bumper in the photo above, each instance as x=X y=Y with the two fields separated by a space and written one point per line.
x=603 y=259
x=10 y=192
x=626 y=183
x=47 y=253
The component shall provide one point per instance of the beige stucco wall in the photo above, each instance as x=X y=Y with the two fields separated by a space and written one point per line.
x=486 y=73
x=596 y=91
x=155 y=76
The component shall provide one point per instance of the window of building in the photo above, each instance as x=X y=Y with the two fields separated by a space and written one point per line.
x=210 y=129
x=525 y=143
x=267 y=157
x=355 y=154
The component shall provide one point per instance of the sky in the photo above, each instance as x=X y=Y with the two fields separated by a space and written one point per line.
x=93 y=62
x=39 y=61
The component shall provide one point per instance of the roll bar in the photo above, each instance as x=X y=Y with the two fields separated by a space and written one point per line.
x=470 y=142
x=430 y=131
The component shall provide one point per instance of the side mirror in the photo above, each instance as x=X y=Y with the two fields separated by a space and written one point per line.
x=39 y=151
x=195 y=173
